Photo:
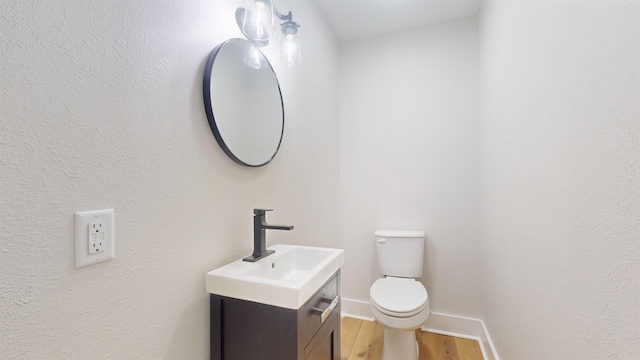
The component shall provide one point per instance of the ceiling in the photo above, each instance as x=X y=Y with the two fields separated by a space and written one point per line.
x=358 y=19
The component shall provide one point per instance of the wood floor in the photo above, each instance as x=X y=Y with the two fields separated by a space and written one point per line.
x=363 y=340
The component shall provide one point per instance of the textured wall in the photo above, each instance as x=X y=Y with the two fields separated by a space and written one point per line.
x=408 y=122
x=560 y=160
x=102 y=108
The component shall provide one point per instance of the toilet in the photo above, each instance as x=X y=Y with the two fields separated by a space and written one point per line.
x=398 y=301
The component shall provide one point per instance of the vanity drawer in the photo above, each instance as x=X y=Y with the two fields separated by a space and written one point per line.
x=317 y=310
x=245 y=330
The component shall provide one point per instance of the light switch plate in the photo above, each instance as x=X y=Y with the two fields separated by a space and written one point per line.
x=94 y=237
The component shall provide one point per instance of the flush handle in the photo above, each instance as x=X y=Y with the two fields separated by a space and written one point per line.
x=382 y=241
x=324 y=314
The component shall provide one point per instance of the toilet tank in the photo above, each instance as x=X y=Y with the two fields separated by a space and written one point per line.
x=400 y=252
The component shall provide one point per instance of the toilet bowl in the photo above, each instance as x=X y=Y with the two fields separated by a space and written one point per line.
x=398 y=301
x=400 y=305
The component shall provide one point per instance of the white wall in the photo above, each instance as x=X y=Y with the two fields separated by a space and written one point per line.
x=560 y=151
x=408 y=141
x=102 y=108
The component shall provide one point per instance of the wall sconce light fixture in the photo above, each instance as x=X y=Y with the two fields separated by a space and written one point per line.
x=257 y=21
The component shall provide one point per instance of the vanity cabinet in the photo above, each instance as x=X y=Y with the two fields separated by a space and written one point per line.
x=245 y=330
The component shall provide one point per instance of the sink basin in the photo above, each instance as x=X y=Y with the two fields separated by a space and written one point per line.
x=287 y=278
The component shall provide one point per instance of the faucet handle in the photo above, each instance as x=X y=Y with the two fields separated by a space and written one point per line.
x=260 y=212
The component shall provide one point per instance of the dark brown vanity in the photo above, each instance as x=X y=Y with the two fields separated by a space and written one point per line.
x=246 y=330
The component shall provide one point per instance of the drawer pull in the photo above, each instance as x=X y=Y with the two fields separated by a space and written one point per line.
x=324 y=314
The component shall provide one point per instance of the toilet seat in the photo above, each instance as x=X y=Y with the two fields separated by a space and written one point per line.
x=398 y=297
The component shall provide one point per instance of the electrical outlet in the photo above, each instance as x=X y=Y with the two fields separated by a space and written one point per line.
x=94 y=237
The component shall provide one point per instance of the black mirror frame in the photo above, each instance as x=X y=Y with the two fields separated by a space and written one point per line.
x=206 y=93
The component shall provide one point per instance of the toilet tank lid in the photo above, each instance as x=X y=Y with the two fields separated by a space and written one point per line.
x=400 y=233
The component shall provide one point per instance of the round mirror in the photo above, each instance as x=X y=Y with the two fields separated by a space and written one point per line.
x=243 y=102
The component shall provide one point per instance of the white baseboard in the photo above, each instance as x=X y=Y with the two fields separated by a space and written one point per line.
x=445 y=324
x=462 y=327
x=356 y=309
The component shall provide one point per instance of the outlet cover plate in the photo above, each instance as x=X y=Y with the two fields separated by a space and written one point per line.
x=83 y=220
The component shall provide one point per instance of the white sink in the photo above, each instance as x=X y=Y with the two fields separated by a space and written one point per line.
x=286 y=278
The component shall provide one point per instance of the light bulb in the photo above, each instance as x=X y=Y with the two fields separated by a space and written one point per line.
x=290 y=50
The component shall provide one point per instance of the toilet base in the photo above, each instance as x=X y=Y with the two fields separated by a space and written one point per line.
x=399 y=345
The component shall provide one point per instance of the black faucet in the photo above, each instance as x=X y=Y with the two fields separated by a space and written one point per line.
x=259 y=235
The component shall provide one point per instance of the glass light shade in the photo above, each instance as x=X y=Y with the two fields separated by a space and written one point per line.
x=290 y=51
x=258 y=19
x=253 y=58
